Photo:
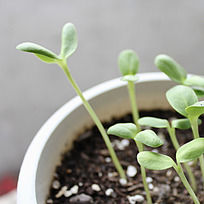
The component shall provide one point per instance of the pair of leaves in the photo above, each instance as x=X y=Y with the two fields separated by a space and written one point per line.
x=68 y=46
x=184 y=100
x=182 y=124
x=188 y=152
x=128 y=62
x=130 y=131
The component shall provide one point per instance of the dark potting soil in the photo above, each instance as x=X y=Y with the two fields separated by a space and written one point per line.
x=87 y=175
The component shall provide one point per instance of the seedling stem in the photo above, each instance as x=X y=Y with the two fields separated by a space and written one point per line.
x=63 y=65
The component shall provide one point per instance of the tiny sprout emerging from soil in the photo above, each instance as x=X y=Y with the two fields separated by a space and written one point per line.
x=188 y=152
x=178 y=74
x=184 y=100
x=128 y=62
x=68 y=47
x=147 y=137
x=182 y=124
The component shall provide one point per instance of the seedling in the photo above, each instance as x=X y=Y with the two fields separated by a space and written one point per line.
x=178 y=74
x=182 y=124
x=128 y=62
x=188 y=152
x=147 y=137
x=68 y=47
x=184 y=100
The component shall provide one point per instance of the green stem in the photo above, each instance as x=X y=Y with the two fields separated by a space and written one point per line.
x=131 y=90
x=143 y=173
x=176 y=145
x=135 y=113
x=93 y=115
x=179 y=170
x=194 y=126
x=172 y=135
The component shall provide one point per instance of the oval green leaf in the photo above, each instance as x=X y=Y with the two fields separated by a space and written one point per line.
x=196 y=109
x=132 y=78
x=183 y=124
x=180 y=97
x=153 y=122
x=41 y=52
x=149 y=138
x=154 y=161
x=69 y=40
x=199 y=91
x=190 y=151
x=195 y=80
x=124 y=130
x=171 y=68
x=128 y=62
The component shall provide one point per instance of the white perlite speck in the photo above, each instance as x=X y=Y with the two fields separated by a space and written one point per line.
x=150 y=185
x=81 y=184
x=131 y=171
x=176 y=179
x=134 y=199
x=149 y=179
x=125 y=142
x=95 y=187
x=109 y=192
x=107 y=159
x=61 y=192
x=56 y=184
x=73 y=190
x=49 y=201
x=123 y=181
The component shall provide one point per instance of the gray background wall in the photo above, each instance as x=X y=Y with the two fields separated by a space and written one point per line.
x=30 y=91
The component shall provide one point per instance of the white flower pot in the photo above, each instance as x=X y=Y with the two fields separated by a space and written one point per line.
x=58 y=133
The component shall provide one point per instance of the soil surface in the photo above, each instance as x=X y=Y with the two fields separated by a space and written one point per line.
x=87 y=175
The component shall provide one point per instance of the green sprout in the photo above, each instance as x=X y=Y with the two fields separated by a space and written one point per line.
x=179 y=75
x=182 y=124
x=186 y=153
x=147 y=137
x=68 y=47
x=184 y=100
x=128 y=62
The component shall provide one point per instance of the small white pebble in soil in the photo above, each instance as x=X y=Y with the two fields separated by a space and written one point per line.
x=125 y=142
x=156 y=189
x=56 y=184
x=155 y=150
x=176 y=179
x=67 y=193
x=112 y=174
x=80 y=184
x=169 y=173
x=100 y=174
x=191 y=163
x=149 y=179
x=123 y=181
x=49 y=201
x=150 y=186
x=107 y=159
x=109 y=192
x=95 y=187
x=136 y=198
x=131 y=171
x=74 y=189
x=61 y=192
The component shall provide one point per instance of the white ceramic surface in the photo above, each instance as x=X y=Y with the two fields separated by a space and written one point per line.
x=57 y=134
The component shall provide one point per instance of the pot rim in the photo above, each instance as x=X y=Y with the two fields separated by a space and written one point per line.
x=27 y=177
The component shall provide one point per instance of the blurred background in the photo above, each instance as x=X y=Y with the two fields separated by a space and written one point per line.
x=31 y=91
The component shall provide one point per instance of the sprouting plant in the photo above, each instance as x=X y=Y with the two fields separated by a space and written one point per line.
x=68 y=47
x=128 y=62
x=178 y=74
x=182 y=124
x=184 y=100
x=186 y=153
